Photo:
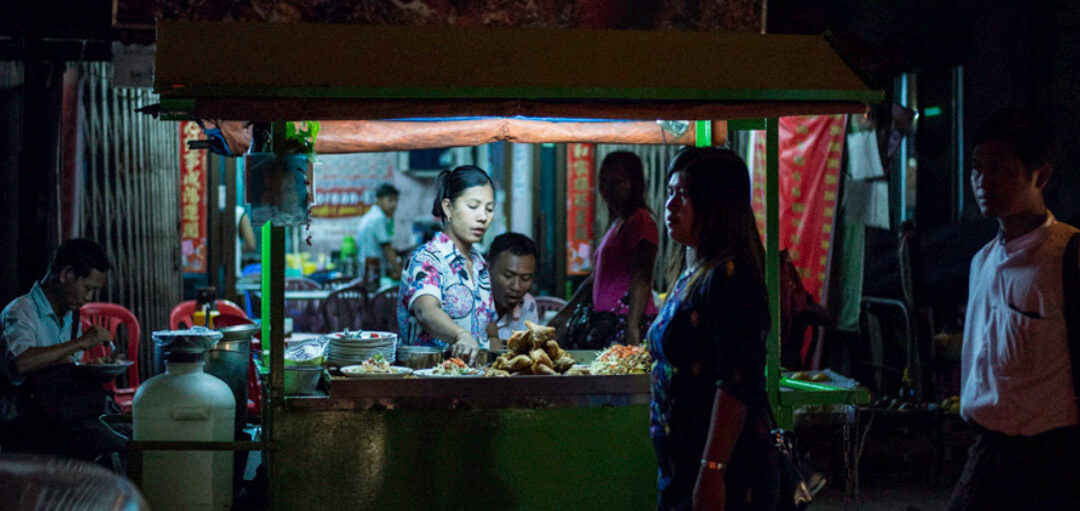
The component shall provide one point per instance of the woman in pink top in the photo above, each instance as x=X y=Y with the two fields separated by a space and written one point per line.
x=614 y=304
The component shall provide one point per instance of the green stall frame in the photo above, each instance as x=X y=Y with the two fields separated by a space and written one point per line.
x=543 y=446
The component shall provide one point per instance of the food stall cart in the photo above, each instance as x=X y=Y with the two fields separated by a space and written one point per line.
x=540 y=442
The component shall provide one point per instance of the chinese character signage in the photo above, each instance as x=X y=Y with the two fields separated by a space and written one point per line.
x=192 y=201
x=580 y=162
x=810 y=151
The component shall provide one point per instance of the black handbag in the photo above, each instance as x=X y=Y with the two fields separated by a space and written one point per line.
x=588 y=329
x=795 y=494
x=794 y=474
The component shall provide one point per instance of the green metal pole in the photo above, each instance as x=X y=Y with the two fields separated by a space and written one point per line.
x=273 y=328
x=772 y=265
x=273 y=303
x=702 y=133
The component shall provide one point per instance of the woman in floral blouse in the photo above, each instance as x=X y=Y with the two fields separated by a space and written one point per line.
x=445 y=297
x=709 y=417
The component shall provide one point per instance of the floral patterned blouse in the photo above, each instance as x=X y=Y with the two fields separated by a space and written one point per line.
x=438 y=269
x=710 y=333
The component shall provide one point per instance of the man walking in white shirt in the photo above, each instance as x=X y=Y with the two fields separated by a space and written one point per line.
x=1016 y=381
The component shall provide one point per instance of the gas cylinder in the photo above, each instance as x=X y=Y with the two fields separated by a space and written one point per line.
x=185 y=404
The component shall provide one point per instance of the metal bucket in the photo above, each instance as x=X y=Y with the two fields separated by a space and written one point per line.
x=229 y=362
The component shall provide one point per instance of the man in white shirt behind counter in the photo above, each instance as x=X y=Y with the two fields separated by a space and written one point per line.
x=376 y=234
x=512 y=257
x=1016 y=381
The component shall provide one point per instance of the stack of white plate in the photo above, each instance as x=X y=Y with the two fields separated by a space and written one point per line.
x=349 y=348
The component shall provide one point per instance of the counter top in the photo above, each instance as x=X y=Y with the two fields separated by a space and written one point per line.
x=470 y=392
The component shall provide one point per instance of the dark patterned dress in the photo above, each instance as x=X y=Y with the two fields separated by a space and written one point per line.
x=710 y=333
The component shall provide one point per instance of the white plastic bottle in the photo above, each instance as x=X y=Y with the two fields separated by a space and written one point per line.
x=185 y=404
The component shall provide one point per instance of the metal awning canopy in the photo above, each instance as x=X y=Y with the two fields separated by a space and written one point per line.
x=268 y=72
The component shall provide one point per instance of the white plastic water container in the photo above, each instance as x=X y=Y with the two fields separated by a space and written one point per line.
x=185 y=404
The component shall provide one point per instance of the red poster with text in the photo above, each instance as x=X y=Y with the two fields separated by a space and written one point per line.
x=580 y=165
x=811 y=148
x=192 y=201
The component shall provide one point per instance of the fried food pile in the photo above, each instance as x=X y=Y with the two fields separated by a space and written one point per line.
x=622 y=359
x=534 y=351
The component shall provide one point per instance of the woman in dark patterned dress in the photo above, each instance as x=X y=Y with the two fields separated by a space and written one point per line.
x=709 y=414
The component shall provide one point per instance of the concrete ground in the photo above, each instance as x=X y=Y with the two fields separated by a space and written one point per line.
x=909 y=496
x=910 y=463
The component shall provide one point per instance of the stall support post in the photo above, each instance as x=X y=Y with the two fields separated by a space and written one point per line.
x=273 y=332
x=702 y=133
x=772 y=267
x=273 y=306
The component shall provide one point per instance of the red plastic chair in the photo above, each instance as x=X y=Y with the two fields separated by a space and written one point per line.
x=223 y=320
x=180 y=317
x=110 y=316
x=254 y=403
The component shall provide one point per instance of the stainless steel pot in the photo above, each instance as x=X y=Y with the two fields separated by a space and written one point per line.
x=419 y=357
x=229 y=361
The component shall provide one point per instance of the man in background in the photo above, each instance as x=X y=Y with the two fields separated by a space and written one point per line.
x=376 y=233
x=513 y=259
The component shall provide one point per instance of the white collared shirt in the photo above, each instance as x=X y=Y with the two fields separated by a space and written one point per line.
x=376 y=229
x=1015 y=372
x=29 y=321
x=515 y=319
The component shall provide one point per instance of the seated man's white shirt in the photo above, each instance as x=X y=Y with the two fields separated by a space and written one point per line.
x=515 y=319
x=30 y=322
x=1015 y=372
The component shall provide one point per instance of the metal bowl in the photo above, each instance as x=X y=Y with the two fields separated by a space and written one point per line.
x=302 y=380
x=238 y=332
x=107 y=370
x=419 y=357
